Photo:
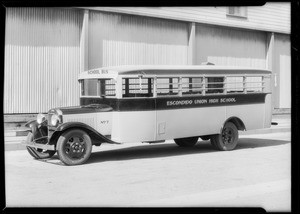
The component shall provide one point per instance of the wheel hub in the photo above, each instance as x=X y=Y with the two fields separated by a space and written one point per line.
x=227 y=136
x=75 y=147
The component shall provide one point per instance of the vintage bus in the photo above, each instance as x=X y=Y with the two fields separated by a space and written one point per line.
x=153 y=104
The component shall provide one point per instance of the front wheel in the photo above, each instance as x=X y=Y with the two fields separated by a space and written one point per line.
x=228 y=138
x=186 y=142
x=38 y=153
x=74 y=147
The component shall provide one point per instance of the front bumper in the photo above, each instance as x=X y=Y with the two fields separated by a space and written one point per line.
x=38 y=145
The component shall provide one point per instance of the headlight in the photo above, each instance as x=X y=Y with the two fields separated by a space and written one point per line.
x=55 y=117
x=55 y=120
x=40 y=118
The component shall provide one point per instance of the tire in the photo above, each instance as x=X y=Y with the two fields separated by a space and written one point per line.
x=227 y=140
x=38 y=153
x=186 y=142
x=74 y=147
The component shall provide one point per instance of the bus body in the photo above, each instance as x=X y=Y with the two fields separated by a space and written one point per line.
x=156 y=103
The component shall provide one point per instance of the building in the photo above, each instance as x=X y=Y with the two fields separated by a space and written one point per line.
x=46 y=48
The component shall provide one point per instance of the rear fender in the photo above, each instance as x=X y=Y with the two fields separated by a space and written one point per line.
x=237 y=122
x=94 y=134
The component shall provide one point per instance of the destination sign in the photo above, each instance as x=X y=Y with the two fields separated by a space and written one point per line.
x=97 y=71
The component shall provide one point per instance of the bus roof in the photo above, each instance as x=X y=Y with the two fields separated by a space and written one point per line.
x=163 y=70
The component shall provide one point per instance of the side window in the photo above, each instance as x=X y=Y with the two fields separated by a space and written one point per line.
x=98 y=87
x=89 y=87
x=235 y=84
x=214 y=85
x=137 y=87
x=254 y=84
x=167 y=86
x=107 y=87
x=237 y=11
x=244 y=84
x=192 y=85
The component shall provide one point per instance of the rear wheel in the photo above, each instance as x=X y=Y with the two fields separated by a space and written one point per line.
x=186 y=142
x=228 y=138
x=74 y=147
x=38 y=153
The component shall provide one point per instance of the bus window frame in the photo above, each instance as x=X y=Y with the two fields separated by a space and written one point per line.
x=137 y=77
x=170 y=83
x=99 y=88
x=118 y=83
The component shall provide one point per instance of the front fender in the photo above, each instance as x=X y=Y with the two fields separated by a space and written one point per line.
x=31 y=123
x=91 y=131
x=38 y=130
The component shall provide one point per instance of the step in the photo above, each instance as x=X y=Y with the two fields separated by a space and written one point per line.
x=281 y=111
x=10 y=133
x=266 y=131
x=15 y=133
x=19 y=118
x=14 y=126
x=17 y=121
x=14 y=139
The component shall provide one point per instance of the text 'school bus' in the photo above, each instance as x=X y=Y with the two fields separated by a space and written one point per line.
x=154 y=104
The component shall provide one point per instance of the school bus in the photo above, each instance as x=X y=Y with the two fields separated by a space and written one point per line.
x=153 y=104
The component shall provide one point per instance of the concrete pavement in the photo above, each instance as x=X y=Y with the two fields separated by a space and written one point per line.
x=256 y=174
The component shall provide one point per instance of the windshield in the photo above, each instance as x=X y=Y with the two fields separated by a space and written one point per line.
x=97 y=87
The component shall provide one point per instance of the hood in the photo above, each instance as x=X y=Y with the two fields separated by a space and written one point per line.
x=92 y=108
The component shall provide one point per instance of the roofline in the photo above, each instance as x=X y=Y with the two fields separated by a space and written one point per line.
x=114 y=71
x=183 y=19
x=125 y=68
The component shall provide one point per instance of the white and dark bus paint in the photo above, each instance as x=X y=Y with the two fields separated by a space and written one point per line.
x=153 y=104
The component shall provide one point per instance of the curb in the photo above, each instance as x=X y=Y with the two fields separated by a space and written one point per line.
x=266 y=131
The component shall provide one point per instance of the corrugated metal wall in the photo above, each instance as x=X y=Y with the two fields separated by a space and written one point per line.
x=42 y=51
x=228 y=46
x=42 y=59
x=272 y=16
x=116 y=39
x=282 y=68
